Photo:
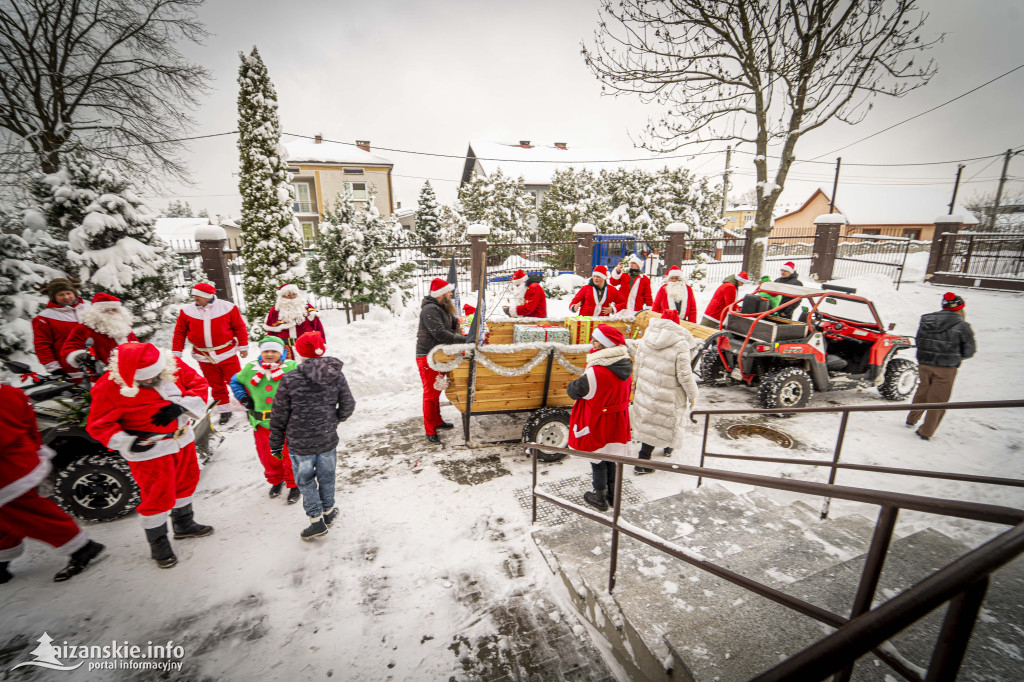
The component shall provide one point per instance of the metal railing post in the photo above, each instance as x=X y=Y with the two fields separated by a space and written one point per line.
x=616 y=510
x=957 y=627
x=703 y=446
x=827 y=502
x=533 y=488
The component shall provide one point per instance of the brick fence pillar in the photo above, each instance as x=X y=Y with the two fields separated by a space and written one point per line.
x=478 y=234
x=676 y=251
x=212 y=240
x=942 y=252
x=583 y=257
x=827 y=229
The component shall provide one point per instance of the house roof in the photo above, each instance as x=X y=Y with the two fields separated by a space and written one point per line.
x=530 y=162
x=895 y=205
x=308 y=151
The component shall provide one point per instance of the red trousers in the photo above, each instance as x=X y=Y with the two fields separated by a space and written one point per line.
x=276 y=470
x=39 y=518
x=165 y=483
x=431 y=397
x=219 y=376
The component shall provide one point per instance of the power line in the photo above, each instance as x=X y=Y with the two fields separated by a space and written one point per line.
x=143 y=144
x=906 y=120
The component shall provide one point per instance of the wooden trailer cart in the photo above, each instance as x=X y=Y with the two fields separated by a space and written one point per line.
x=508 y=378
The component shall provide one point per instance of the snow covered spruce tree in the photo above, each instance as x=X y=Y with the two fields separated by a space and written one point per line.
x=453 y=225
x=20 y=279
x=112 y=246
x=271 y=244
x=575 y=196
x=350 y=263
x=428 y=218
x=499 y=201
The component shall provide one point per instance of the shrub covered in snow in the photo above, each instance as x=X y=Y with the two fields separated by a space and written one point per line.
x=428 y=218
x=20 y=278
x=272 y=245
x=563 y=285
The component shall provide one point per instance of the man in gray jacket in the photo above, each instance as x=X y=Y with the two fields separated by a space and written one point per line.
x=944 y=340
x=310 y=402
x=438 y=325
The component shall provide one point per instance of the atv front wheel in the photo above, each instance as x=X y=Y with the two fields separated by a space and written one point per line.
x=712 y=370
x=900 y=379
x=548 y=426
x=97 y=488
x=786 y=387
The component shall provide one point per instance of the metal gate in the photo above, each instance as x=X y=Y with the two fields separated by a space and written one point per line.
x=860 y=254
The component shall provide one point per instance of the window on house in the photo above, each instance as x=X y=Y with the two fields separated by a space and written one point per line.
x=913 y=233
x=871 y=231
x=358 y=190
x=308 y=232
x=353 y=171
x=303 y=198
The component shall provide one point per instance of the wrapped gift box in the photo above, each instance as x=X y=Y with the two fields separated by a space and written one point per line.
x=580 y=328
x=466 y=322
x=531 y=333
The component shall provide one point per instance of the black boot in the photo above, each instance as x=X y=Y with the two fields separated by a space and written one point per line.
x=185 y=526
x=5 y=575
x=160 y=546
x=329 y=516
x=433 y=438
x=446 y=425
x=275 y=489
x=79 y=560
x=668 y=451
x=225 y=417
x=294 y=495
x=316 y=528
x=597 y=499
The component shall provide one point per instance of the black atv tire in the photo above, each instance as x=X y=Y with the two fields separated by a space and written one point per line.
x=712 y=370
x=896 y=385
x=785 y=387
x=97 y=487
x=548 y=426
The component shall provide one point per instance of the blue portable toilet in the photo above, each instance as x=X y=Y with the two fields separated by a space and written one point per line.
x=609 y=249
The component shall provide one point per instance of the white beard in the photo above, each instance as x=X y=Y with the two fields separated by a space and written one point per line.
x=291 y=311
x=676 y=292
x=519 y=295
x=116 y=324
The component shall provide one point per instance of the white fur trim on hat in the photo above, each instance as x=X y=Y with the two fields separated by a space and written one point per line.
x=600 y=336
x=288 y=289
x=200 y=292
x=438 y=293
x=143 y=373
x=273 y=345
x=106 y=305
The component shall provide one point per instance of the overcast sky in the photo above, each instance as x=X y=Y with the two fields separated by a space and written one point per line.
x=430 y=75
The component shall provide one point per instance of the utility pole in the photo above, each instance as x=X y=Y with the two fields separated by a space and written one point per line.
x=956 y=188
x=725 y=180
x=835 y=186
x=999 y=190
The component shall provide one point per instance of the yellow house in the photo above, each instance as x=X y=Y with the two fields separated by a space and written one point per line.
x=892 y=211
x=322 y=171
x=738 y=216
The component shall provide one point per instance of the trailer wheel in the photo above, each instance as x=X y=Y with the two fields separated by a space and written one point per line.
x=548 y=426
x=900 y=379
x=97 y=488
x=786 y=387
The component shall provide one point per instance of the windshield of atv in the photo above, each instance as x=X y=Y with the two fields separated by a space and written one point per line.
x=858 y=312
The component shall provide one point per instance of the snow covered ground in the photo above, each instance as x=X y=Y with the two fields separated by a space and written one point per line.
x=430 y=573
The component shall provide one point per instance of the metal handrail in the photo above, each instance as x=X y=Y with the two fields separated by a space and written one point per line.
x=949 y=651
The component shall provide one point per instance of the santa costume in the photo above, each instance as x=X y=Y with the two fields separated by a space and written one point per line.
x=255 y=387
x=291 y=317
x=590 y=300
x=217 y=333
x=635 y=290
x=142 y=409
x=24 y=463
x=528 y=298
x=725 y=296
x=107 y=323
x=675 y=294
x=599 y=421
x=51 y=327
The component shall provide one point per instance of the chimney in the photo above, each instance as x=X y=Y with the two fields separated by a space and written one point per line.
x=562 y=145
x=318 y=138
x=363 y=144
x=524 y=144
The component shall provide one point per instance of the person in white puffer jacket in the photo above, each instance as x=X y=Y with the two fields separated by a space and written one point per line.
x=665 y=387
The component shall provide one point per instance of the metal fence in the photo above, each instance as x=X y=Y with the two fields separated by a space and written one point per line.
x=860 y=254
x=433 y=260
x=504 y=258
x=984 y=255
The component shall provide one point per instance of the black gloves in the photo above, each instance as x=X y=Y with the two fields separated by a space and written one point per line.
x=277 y=453
x=139 y=446
x=167 y=414
x=59 y=373
x=247 y=402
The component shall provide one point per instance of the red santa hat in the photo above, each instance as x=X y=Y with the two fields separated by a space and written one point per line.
x=133 y=362
x=788 y=267
x=951 y=301
x=743 y=277
x=440 y=287
x=310 y=345
x=671 y=315
x=468 y=310
x=518 y=276
x=205 y=290
x=287 y=288
x=600 y=271
x=674 y=271
x=609 y=336
x=104 y=301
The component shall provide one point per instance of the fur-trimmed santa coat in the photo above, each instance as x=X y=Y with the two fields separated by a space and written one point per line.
x=591 y=302
x=289 y=330
x=218 y=325
x=51 y=328
x=600 y=415
x=687 y=309
x=107 y=333
x=25 y=461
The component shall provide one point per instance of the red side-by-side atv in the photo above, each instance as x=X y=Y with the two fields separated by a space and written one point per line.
x=837 y=341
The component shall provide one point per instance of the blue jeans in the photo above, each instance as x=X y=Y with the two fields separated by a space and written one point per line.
x=314 y=476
